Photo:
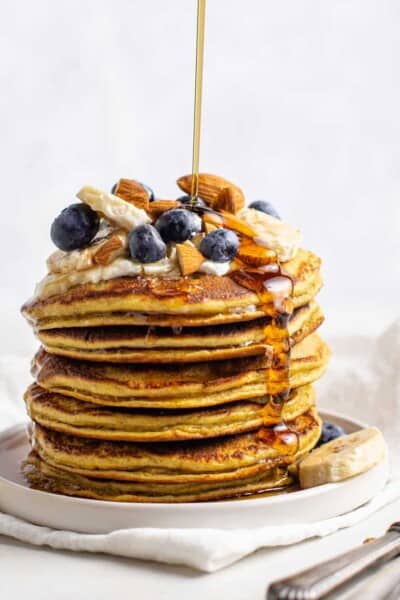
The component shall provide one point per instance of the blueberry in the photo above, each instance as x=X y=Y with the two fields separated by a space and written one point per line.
x=265 y=207
x=178 y=225
x=146 y=187
x=75 y=227
x=330 y=431
x=186 y=200
x=146 y=245
x=220 y=245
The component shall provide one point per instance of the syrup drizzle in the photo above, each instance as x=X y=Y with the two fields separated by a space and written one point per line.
x=274 y=289
x=266 y=278
x=198 y=89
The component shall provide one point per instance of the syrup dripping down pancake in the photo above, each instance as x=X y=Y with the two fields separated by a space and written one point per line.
x=65 y=414
x=191 y=385
x=141 y=344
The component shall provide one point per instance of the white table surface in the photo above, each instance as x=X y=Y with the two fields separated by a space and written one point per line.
x=39 y=573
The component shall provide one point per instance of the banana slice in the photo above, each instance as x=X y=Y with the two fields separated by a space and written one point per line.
x=114 y=209
x=272 y=233
x=342 y=458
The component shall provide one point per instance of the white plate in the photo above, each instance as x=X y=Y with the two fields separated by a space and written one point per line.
x=94 y=516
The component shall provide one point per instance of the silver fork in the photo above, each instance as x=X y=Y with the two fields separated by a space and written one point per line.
x=317 y=582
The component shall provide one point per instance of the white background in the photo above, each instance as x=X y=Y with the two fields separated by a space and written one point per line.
x=301 y=107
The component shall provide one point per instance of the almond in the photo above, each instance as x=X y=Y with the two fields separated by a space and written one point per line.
x=254 y=255
x=158 y=207
x=111 y=248
x=133 y=192
x=189 y=259
x=226 y=219
x=228 y=201
x=197 y=239
x=209 y=188
x=209 y=227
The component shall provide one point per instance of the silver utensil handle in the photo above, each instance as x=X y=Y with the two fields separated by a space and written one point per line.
x=322 y=579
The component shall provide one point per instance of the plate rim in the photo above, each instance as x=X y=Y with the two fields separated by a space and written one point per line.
x=219 y=505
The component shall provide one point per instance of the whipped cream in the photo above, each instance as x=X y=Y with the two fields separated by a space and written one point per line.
x=86 y=258
x=117 y=211
x=54 y=283
x=59 y=283
x=272 y=233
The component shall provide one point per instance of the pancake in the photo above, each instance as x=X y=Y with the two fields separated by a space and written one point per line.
x=200 y=299
x=218 y=460
x=191 y=385
x=43 y=476
x=171 y=344
x=165 y=382
x=84 y=419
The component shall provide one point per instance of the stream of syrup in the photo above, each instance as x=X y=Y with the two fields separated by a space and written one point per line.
x=273 y=287
x=198 y=89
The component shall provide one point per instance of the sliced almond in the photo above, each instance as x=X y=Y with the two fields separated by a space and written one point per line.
x=253 y=255
x=225 y=219
x=209 y=188
x=189 y=258
x=111 y=248
x=209 y=227
x=133 y=192
x=158 y=207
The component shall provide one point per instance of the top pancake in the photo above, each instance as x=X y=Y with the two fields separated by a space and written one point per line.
x=187 y=301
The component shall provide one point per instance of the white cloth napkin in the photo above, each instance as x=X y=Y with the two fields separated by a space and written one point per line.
x=363 y=381
x=203 y=549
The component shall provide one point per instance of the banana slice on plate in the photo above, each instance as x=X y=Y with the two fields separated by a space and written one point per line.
x=342 y=458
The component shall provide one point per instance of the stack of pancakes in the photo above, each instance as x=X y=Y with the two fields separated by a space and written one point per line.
x=180 y=386
x=155 y=390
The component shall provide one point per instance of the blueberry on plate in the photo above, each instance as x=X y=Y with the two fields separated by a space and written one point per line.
x=146 y=245
x=330 y=431
x=221 y=245
x=265 y=207
x=75 y=227
x=186 y=200
x=178 y=225
x=146 y=187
